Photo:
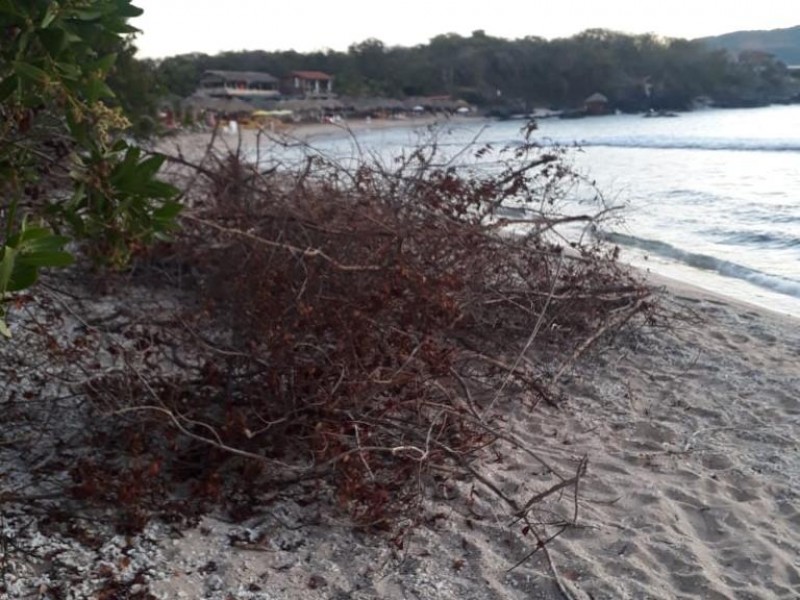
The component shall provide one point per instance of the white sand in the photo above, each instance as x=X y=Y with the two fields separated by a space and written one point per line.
x=692 y=432
x=194 y=145
x=691 y=491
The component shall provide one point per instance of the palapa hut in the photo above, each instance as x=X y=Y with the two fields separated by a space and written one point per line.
x=596 y=104
x=226 y=106
x=208 y=109
x=308 y=109
x=376 y=107
x=434 y=104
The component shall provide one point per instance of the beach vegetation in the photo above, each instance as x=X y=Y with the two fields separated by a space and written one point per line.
x=355 y=335
x=355 y=326
x=343 y=332
x=69 y=180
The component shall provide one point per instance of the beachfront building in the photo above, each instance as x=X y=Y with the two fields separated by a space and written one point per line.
x=246 y=85
x=596 y=104
x=308 y=84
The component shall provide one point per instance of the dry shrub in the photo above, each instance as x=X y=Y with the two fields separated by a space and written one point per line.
x=360 y=324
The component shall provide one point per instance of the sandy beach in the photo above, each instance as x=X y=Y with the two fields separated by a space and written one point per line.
x=691 y=492
x=689 y=432
x=193 y=145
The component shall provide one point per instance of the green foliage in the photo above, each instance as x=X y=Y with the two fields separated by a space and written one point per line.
x=526 y=72
x=118 y=204
x=136 y=89
x=24 y=253
x=62 y=160
x=784 y=44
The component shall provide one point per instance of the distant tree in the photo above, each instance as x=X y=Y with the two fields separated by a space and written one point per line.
x=136 y=87
x=636 y=72
x=181 y=74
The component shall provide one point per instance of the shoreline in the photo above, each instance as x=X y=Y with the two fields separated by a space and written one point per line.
x=716 y=284
x=680 y=289
x=312 y=131
x=194 y=145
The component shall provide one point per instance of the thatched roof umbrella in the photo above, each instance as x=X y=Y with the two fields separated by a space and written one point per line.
x=596 y=97
x=330 y=104
x=236 y=105
x=420 y=104
x=310 y=108
x=348 y=102
x=447 y=104
x=363 y=106
x=434 y=103
x=367 y=106
x=259 y=103
x=227 y=106
x=392 y=104
x=299 y=106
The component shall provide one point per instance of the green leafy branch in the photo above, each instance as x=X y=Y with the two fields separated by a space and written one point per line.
x=23 y=255
x=62 y=156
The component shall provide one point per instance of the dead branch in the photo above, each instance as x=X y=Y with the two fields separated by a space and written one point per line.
x=357 y=325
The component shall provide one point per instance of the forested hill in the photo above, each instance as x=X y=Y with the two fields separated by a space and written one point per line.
x=635 y=72
x=784 y=44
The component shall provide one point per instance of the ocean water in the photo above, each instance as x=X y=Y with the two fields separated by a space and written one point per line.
x=710 y=197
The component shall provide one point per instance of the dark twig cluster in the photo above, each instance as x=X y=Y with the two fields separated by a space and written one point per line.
x=361 y=327
x=344 y=315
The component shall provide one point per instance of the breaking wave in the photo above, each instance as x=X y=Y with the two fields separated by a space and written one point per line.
x=776 y=283
x=677 y=143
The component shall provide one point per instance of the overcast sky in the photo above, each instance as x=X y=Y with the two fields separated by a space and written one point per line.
x=179 y=26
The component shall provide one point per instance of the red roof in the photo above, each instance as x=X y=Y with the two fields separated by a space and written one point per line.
x=311 y=75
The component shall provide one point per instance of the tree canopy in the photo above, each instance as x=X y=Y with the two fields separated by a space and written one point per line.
x=636 y=72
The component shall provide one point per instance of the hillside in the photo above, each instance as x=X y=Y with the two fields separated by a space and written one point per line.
x=783 y=43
